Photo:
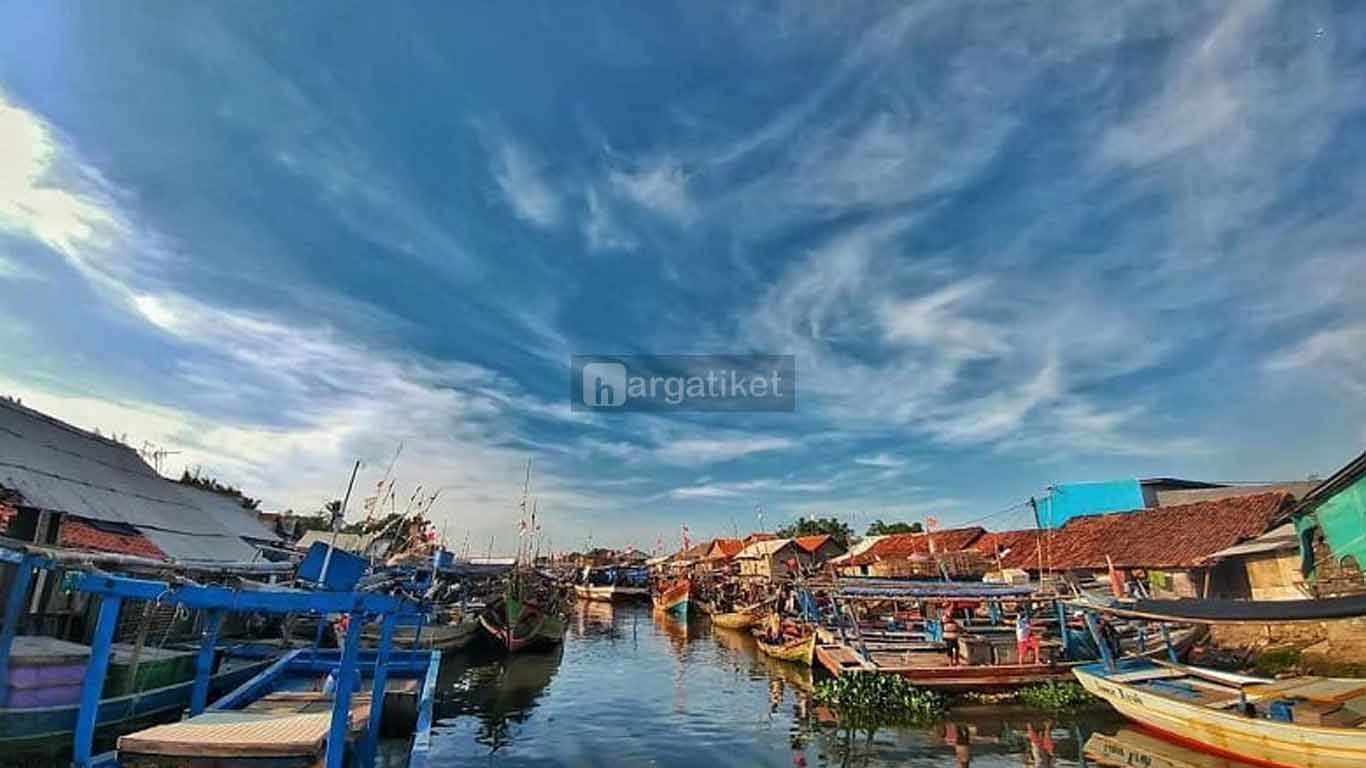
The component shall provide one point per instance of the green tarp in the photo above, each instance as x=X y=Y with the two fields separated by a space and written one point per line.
x=1342 y=519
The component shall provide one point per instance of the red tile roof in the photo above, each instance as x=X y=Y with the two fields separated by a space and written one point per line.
x=1016 y=549
x=899 y=545
x=812 y=543
x=725 y=549
x=77 y=533
x=1164 y=537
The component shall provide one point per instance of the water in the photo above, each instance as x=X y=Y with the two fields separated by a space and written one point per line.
x=629 y=688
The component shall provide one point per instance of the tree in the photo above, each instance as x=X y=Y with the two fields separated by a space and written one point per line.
x=838 y=529
x=203 y=482
x=879 y=528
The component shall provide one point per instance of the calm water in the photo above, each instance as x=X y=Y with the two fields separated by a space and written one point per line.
x=629 y=688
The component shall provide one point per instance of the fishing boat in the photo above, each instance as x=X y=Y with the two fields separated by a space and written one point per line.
x=1295 y=722
x=909 y=643
x=613 y=584
x=672 y=597
x=527 y=616
x=798 y=651
x=744 y=618
x=283 y=714
x=1129 y=748
x=46 y=676
x=451 y=634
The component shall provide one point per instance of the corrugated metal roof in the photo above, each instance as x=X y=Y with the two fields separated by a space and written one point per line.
x=1282 y=537
x=60 y=468
x=235 y=518
x=762 y=549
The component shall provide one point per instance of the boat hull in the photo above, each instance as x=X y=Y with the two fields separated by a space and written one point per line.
x=674 y=598
x=534 y=629
x=740 y=620
x=25 y=728
x=1226 y=733
x=796 y=651
x=440 y=637
x=610 y=593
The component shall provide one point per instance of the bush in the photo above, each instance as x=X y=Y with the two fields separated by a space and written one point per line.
x=1056 y=695
x=868 y=699
x=1274 y=661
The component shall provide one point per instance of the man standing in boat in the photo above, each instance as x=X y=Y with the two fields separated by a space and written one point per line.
x=950 y=633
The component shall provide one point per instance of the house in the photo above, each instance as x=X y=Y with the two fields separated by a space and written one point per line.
x=1169 y=546
x=1068 y=500
x=1330 y=526
x=776 y=559
x=1267 y=566
x=73 y=488
x=915 y=555
x=820 y=548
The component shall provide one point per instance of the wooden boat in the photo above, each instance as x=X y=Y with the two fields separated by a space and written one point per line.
x=1130 y=748
x=517 y=625
x=52 y=722
x=613 y=584
x=446 y=636
x=741 y=619
x=1230 y=715
x=672 y=597
x=798 y=651
x=282 y=719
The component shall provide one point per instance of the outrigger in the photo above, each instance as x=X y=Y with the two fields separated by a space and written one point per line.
x=304 y=708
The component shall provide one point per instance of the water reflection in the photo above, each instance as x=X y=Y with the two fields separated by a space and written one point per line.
x=636 y=688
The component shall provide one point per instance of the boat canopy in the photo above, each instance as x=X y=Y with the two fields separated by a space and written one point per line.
x=1194 y=611
x=890 y=588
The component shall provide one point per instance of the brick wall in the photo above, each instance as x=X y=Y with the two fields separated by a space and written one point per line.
x=1331 y=577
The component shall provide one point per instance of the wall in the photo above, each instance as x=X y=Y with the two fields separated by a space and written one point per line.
x=1333 y=576
x=1273 y=575
x=1070 y=500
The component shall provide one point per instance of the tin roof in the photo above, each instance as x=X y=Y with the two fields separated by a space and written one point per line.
x=57 y=467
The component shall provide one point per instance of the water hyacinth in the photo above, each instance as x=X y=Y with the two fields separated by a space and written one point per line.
x=865 y=697
x=1056 y=695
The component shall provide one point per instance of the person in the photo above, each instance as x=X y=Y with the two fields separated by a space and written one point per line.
x=1024 y=638
x=951 y=636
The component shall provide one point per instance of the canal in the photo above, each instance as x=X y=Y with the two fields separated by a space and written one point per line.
x=629 y=688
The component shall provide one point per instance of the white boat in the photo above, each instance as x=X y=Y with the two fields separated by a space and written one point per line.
x=1301 y=722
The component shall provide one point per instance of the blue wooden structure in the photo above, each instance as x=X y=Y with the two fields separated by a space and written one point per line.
x=349 y=665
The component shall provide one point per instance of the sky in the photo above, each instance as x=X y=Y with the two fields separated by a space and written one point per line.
x=1008 y=244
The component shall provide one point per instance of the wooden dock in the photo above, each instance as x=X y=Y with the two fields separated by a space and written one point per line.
x=280 y=730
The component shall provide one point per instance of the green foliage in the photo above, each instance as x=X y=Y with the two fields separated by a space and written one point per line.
x=879 y=528
x=838 y=529
x=1056 y=695
x=203 y=482
x=868 y=700
x=1274 y=661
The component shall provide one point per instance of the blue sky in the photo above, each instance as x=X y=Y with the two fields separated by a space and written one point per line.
x=1009 y=244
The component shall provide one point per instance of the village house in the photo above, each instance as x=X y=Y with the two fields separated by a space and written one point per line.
x=1167 y=547
x=922 y=555
x=65 y=487
x=775 y=559
x=1330 y=530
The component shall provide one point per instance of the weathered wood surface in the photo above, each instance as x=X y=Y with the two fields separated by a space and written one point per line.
x=279 y=725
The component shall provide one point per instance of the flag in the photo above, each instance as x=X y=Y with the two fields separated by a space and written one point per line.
x=931 y=523
x=1116 y=578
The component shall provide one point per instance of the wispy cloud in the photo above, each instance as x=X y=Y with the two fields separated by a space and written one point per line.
x=661 y=187
x=600 y=227
x=521 y=179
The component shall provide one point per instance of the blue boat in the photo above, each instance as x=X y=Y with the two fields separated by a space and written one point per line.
x=314 y=701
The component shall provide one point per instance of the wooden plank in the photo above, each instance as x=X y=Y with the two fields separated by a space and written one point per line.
x=286 y=724
x=1145 y=674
